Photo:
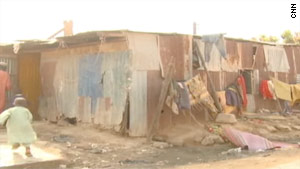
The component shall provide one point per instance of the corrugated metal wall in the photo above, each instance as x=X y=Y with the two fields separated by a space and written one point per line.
x=179 y=47
x=29 y=80
x=138 y=104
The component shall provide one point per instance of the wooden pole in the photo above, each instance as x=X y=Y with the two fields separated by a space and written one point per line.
x=214 y=94
x=162 y=97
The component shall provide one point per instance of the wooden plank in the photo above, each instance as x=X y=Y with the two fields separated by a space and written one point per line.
x=161 y=102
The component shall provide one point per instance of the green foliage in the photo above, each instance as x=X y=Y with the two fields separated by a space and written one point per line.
x=288 y=37
x=265 y=38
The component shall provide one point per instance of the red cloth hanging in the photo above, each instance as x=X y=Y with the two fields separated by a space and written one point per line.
x=264 y=90
x=242 y=84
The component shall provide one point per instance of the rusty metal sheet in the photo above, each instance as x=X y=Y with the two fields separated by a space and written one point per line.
x=232 y=63
x=290 y=57
x=229 y=78
x=179 y=47
x=247 y=54
x=103 y=112
x=154 y=83
x=260 y=57
x=66 y=85
x=29 y=80
x=84 y=109
x=216 y=80
x=47 y=78
x=116 y=70
x=282 y=76
x=138 y=104
x=145 y=51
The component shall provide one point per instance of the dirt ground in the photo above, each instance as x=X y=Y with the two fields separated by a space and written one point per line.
x=87 y=146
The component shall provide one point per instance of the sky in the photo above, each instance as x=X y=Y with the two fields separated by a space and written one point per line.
x=39 y=19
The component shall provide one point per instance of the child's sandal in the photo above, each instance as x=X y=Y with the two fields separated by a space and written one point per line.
x=28 y=154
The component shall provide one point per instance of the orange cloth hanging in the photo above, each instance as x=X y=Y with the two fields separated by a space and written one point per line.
x=5 y=85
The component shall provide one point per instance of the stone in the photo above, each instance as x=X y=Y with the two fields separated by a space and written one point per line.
x=218 y=139
x=296 y=127
x=282 y=127
x=161 y=145
x=270 y=128
x=199 y=137
x=208 y=141
x=226 y=118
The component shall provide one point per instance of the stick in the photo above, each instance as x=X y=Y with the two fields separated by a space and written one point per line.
x=161 y=101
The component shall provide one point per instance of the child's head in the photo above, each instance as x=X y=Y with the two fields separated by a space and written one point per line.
x=20 y=101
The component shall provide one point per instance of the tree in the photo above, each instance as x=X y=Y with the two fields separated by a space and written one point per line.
x=273 y=39
x=288 y=37
x=265 y=38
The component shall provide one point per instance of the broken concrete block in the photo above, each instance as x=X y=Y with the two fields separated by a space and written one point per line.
x=226 y=118
x=296 y=127
x=282 y=127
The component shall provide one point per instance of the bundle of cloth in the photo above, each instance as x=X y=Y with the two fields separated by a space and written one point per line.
x=236 y=94
x=267 y=89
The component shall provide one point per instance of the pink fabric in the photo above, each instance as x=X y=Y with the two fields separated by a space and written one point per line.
x=253 y=142
x=5 y=85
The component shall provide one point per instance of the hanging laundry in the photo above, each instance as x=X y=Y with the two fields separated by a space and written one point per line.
x=199 y=94
x=271 y=89
x=173 y=97
x=282 y=90
x=211 y=40
x=243 y=92
x=233 y=97
x=295 y=93
x=265 y=91
x=276 y=59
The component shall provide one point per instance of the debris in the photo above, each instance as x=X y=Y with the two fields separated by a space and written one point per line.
x=226 y=118
x=160 y=144
x=208 y=141
x=159 y=138
x=62 y=166
x=69 y=144
x=282 y=127
x=218 y=139
x=232 y=151
x=296 y=127
x=96 y=151
x=63 y=139
x=199 y=137
x=128 y=161
x=270 y=128
x=262 y=131
x=160 y=163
